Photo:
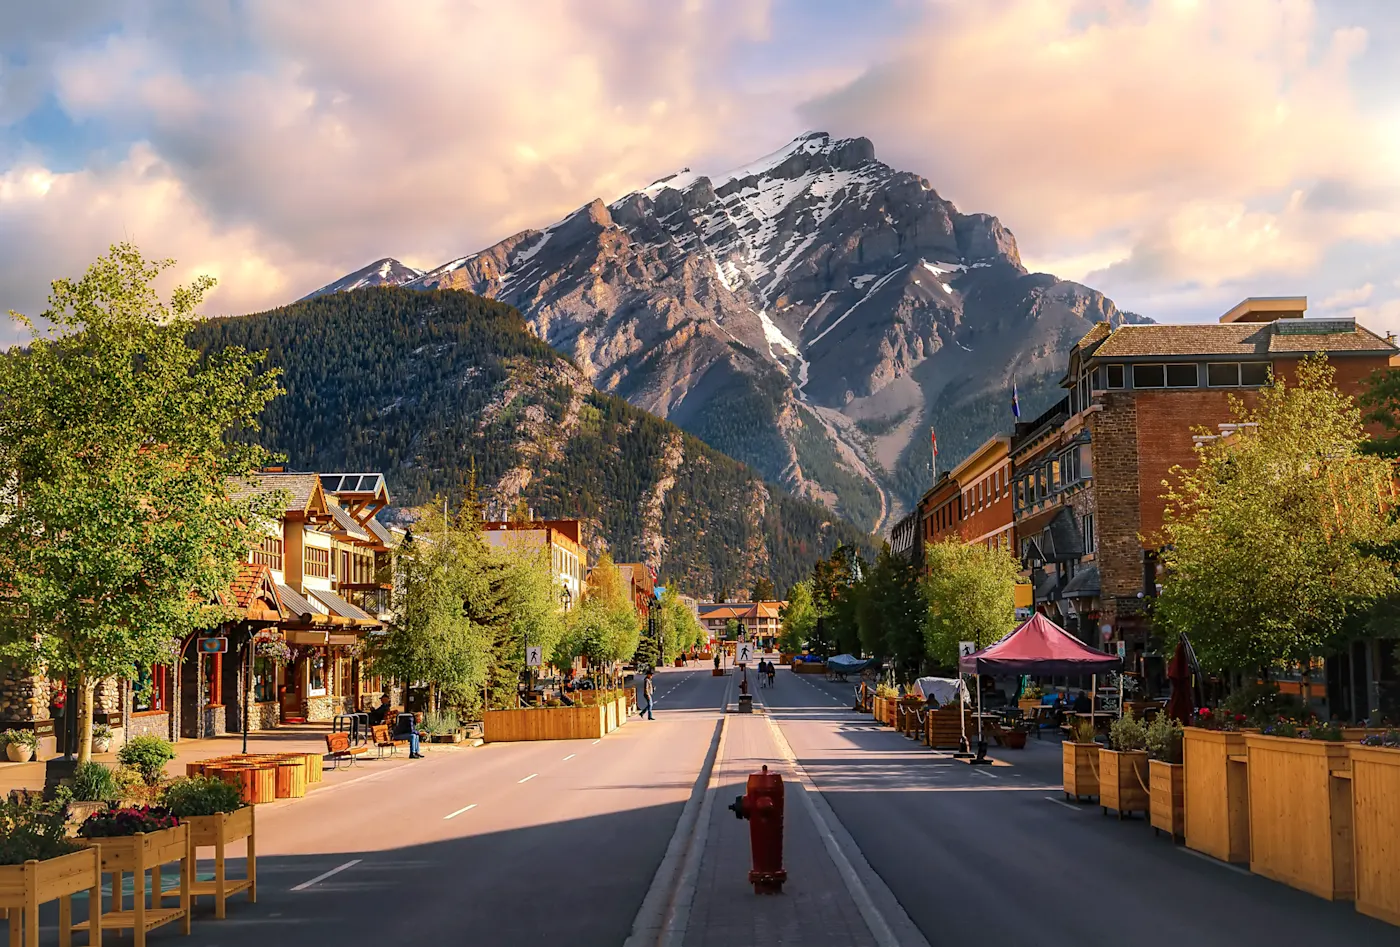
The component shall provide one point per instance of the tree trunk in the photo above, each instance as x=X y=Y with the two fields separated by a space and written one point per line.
x=84 y=711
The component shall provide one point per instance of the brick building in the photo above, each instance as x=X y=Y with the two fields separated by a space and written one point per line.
x=1136 y=395
x=984 y=482
x=940 y=511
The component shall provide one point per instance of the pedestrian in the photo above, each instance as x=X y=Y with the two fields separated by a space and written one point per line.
x=772 y=673
x=648 y=691
x=716 y=660
x=380 y=714
x=406 y=728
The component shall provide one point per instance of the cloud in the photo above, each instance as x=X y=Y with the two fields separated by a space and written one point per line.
x=1348 y=298
x=1201 y=141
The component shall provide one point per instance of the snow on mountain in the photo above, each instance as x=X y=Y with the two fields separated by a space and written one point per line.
x=385 y=272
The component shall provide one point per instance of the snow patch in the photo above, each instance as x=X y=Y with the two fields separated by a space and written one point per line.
x=774 y=336
x=817 y=308
x=963 y=347
x=870 y=292
x=946 y=288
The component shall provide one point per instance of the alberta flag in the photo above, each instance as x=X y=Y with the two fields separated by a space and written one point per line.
x=1015 y=401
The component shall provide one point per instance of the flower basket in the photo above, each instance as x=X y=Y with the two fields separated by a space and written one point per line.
x=1215 y=794
x=1081 y=770
x=1375 y=787
x=138 y=854
x=1123 y=781
x=218 y=831
x=53 y=879
x=1300 y=814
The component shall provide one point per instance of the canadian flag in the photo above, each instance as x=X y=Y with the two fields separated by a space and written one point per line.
x=933 y=441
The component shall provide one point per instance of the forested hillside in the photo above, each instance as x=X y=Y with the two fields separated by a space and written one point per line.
x=425 y=385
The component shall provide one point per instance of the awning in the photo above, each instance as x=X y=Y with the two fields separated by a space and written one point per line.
x=315 y=639
x=1085 y=584
x=338 y=606
x=297 y=605
x=1039 y=646
x=1047 y=586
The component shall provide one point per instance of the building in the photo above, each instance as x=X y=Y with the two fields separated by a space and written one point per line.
x=759 y=620
x=1136 y=394
x=568 y=559
x=904 y=538
x=941 y=511
x=984 y=482
x=640 y=582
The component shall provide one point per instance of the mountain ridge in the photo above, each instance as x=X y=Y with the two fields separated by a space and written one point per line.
x=785 y=309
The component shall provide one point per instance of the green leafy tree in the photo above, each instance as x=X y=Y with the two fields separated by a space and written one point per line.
x=445 y=619
x=119 y=524
x=893 y=611
x=1268 y=533
x=763 y=590
x=622 y=626
x=971 y=596
x=531 y=598
x=797 y=619
x=732 y=629
x=836 y=591
x=680 y=629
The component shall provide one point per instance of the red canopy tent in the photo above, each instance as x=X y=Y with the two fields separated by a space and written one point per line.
x=1039 y=647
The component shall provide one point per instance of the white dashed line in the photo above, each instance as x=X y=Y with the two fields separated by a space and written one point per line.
x=453 y=815
x=322 y=877
x=528 y=778
x=1061 y=802
x=569 y=757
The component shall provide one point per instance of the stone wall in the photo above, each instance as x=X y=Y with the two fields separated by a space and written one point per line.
x=24 y=697
x=148 y=725
x=323 y=709
x=1114 y=440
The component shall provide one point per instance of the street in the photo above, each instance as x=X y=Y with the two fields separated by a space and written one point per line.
x=563 y=842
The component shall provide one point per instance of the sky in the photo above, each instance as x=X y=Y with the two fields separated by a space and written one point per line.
x=1178 y=155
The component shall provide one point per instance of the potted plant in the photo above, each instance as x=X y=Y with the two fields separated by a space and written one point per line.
x=1166 y=776
x=1081 y=762
x=445 y=728
x=101 y=738
x=217 y=817
x=138 y=839
x=20 y=745
x=148 y=756
x=39 y=862
x=1123 y=767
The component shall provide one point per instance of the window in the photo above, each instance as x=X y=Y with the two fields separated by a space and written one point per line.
x=1083 y=390
x=1090 y=544
x=213 y=679
x=1115 y=375
x=1182 y=376
x=152 y=692
x=317 y=562
x=1149 y=376
x=269 y=553
x=1055 y=474
x=1223 y=375
x=1254 y=374
x=264 y=679
x=316 y=674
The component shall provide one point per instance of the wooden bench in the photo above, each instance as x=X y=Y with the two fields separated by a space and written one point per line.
x=383 y=741
x=338 y=748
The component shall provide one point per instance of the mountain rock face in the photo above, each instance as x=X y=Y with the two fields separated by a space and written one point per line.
x=812 y=314
x=436 y=388
x=385 y=272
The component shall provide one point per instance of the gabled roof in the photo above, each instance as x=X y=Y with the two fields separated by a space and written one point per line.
x=303 y=490
x=253 y=578
x=347 y=524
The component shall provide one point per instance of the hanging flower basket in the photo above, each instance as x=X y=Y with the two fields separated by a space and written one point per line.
x=274 y=646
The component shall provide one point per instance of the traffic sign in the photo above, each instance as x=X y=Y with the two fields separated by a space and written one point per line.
x=534 y=656
x=743 y=653
x=1122 y=649
x=966 y=647
x=213 y=645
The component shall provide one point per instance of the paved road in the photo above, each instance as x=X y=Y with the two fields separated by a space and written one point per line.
x=994 y=854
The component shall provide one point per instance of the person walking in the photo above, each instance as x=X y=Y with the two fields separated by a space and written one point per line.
x=649 y=692
x=716 y=660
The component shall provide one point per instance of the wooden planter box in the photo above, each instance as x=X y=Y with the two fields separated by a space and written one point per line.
x=1123 y=781
x=943 y=728
x=1215 y=800
x=219 y=831
x=23 y=888
x=809 y=667
x=623 y=710
x=1167 y=787
x=1300 y=815
x=877 y=708
x=1081 y=770
x=909 y=723
x=546 y=723
x=1375 y=805
x=256 y=782
x=291 y=778
x=139 y=854
x=1027 y=704
x=447 y=737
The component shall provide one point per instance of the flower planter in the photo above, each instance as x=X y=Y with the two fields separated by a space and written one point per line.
x=1081 y=770
x=1375 y=789
x=219 y=831
x=1167 y=787
x=102 y=746
x=1300 y=815
x=545 y=723
x=256 y=781
x=291 y=778
x=24 y=887
x=1123 y=781
x=454 y=737
x=138 y=854
x=1011 y=739
x=809 y=667
x=944 y=727
x=1215 y=794
x=19 y=752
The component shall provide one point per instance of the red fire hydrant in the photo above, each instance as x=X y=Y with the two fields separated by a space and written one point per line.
x=762 y=805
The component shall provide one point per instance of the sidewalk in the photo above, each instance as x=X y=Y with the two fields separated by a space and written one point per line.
x=815 y=908
x=288 y=738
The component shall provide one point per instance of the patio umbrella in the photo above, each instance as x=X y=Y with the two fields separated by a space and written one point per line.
x=1181 y=705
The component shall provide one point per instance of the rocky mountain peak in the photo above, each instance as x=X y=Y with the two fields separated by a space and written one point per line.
x=384 y=272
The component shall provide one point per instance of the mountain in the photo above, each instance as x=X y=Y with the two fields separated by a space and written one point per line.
x=428 y=387
x=812 y=314
x=385 y=272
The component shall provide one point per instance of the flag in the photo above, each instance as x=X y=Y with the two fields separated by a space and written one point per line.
x=1015 y=401
x=933 y=441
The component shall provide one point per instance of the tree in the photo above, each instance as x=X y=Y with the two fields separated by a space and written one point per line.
x=120 y=525
x=621 y=627
x=797 y=619
x=836 y=592
x=1268 y=534
x=446 y=618
x=531 y=600
x=971 y=596
x=732 y=629
x=679 y=628
x=763 y=590
x=893 y=611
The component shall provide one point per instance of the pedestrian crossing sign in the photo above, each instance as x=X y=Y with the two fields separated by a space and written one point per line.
x=741 y=656
x=534 y=656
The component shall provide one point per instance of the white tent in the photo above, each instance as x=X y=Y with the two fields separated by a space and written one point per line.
x=942 y=689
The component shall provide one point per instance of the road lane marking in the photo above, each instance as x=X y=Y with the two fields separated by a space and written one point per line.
x=595 y=743
x=1061 y=802
x=528 y=778
x=569 y=757
x=982 y=772
x=334 y=871
x=453 y=815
